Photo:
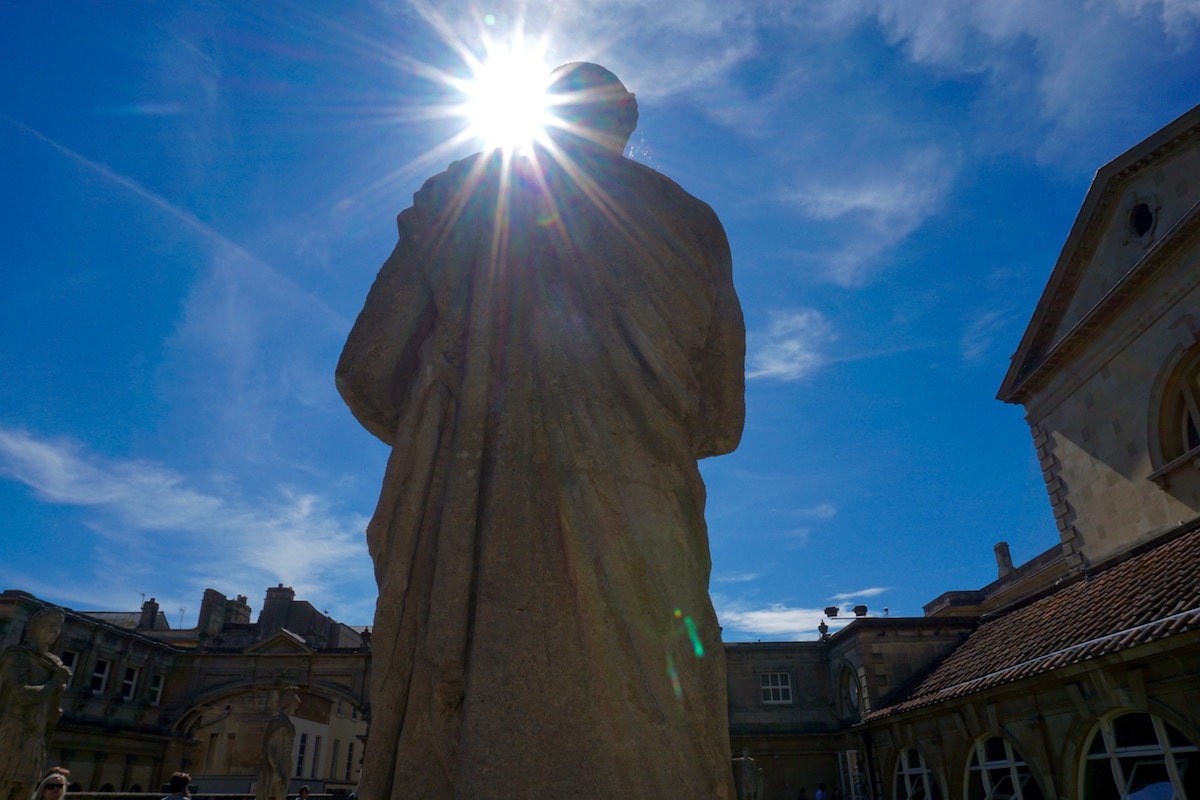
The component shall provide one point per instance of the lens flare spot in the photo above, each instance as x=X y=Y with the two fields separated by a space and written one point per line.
x=697 y=647
x=489 y=19
x=673 y=674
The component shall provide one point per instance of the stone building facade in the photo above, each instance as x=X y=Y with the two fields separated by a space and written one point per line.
x=1076 y=675
x=146 y=700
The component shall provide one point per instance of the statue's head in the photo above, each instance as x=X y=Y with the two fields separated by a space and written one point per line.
x=595 y=107
x=43 y=628
x=289 y=700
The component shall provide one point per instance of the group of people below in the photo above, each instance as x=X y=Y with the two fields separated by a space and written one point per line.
x=53 y=786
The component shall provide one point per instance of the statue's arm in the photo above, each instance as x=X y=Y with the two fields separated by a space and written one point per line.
x=379 y=360
x=723 y=367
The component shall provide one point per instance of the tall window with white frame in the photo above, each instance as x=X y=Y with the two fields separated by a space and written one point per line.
x=776 y=688
x=914 y=779
x=129 y=683
x=156 y=689
x=100 y=675
x=349 y=760
x=316 y=758
x=998 y=773
x=1136 y=756
x=300 y=752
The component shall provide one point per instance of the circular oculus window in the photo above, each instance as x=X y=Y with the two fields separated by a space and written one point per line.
x=1141 y=219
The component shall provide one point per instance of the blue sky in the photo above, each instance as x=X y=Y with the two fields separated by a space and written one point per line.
x=197 y=197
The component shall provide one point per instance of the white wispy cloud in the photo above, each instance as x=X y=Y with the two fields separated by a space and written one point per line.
x=1081 y=61
x=879 y=204
x=739 y=617
x=1180 y=18
x=846 y=597
x=736 y=577
x=774 y=620
x=794 y=538
x=200 y=537
x=981 y=330
x=792 y=346
x=819 y=511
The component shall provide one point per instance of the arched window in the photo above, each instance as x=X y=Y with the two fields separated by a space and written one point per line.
x=998 y=773
x=914 y=780
x=851 y=694
x=1179 y=415
x=1140 y=757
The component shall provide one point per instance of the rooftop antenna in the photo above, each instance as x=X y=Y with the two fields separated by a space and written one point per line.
x=143 y=594
x=181 y=610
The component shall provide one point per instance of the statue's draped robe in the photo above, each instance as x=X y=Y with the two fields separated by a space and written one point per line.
x=275 y=766
x=547 y=354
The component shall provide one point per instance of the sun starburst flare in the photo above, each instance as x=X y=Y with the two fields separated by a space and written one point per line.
x=506 y=102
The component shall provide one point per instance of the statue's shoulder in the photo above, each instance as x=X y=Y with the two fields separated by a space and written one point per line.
x=658 y=191
x=450 y=182
x=666 y=186
x=442 y=191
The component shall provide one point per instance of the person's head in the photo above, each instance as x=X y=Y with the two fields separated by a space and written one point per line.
x=43 y=628
x=179 y=783
x=594 y=106
x=304 y=791
x=53 y=785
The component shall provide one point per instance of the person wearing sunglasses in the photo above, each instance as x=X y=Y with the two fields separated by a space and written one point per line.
x=53 y=786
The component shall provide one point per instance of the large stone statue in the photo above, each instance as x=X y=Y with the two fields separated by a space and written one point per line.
x=32 y=681
x=275 y=766
x=552 y=345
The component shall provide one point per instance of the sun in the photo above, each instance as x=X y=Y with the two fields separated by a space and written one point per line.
x=506 y=102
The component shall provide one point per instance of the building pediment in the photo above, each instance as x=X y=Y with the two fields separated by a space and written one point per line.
x=282 y=643
x=1142 y=208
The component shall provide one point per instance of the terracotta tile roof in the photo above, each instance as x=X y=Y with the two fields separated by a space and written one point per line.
x=1147 y=597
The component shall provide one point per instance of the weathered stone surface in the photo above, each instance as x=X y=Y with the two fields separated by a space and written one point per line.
x=548 y=351
x=32 y=681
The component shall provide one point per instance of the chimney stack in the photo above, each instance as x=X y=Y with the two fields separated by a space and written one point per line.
x=149 y=615
x=1004 y=563
x=212 y=613
x=274 y=614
